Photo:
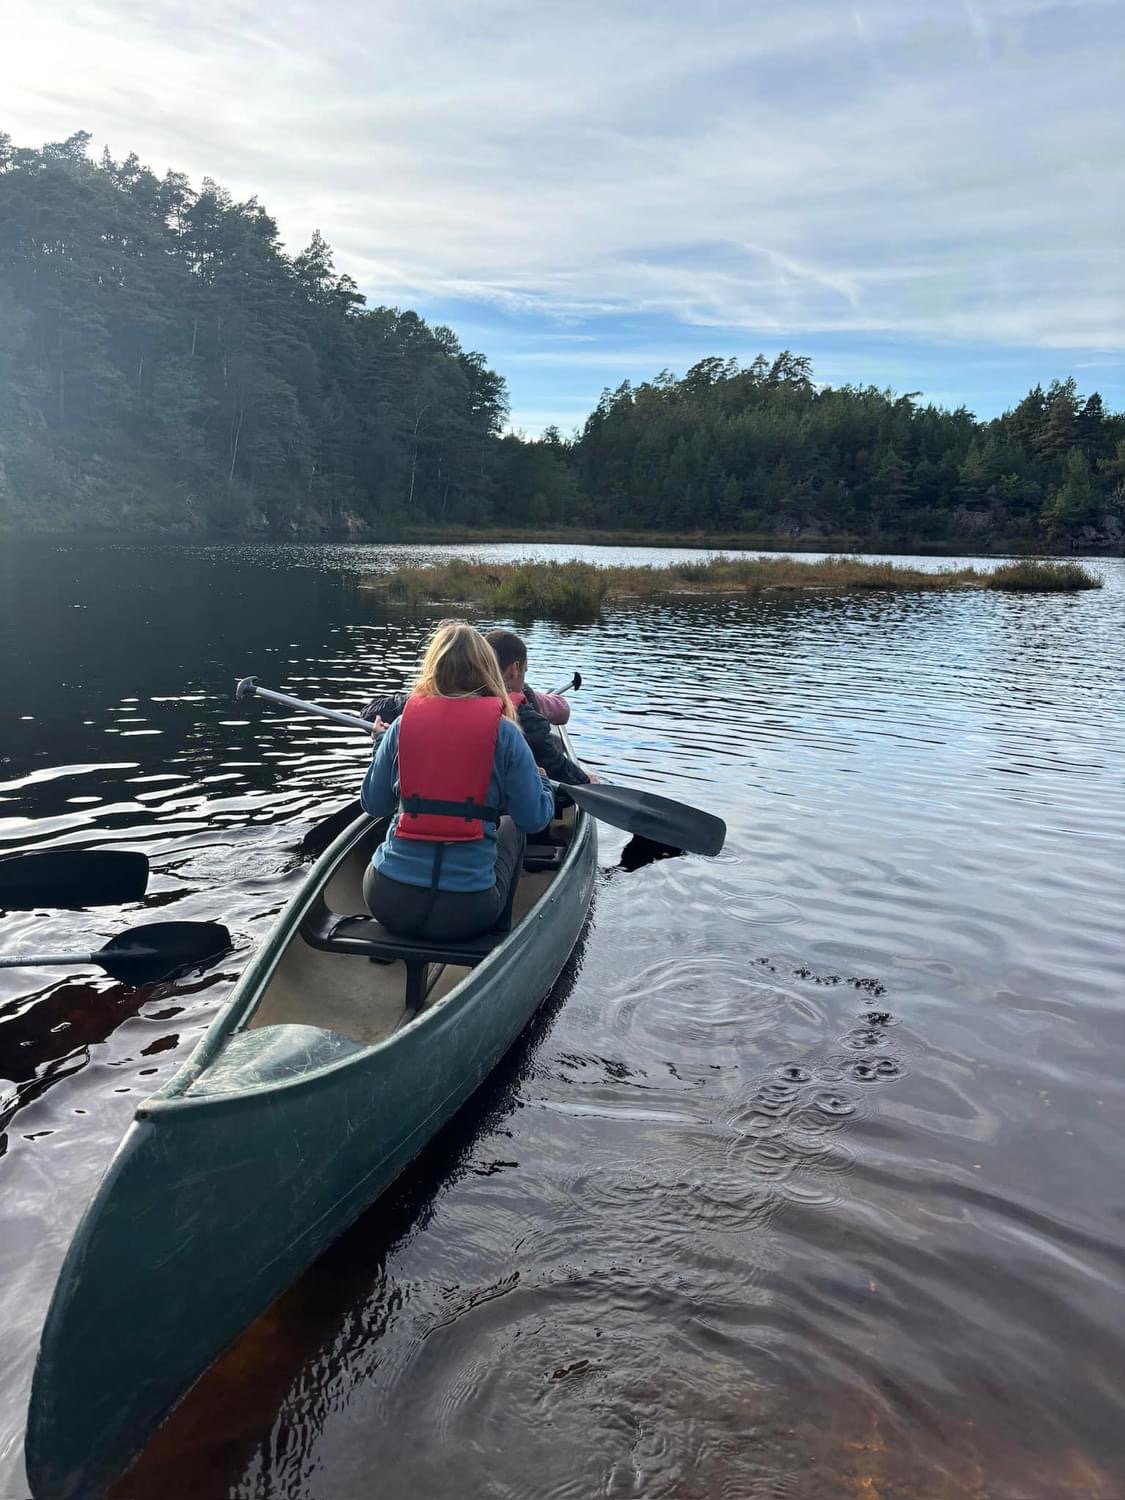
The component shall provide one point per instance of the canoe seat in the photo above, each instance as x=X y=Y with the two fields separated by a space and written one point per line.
x=327 y=930
x=541 y=857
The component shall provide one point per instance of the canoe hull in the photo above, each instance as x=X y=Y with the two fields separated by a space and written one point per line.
x=219 y=1197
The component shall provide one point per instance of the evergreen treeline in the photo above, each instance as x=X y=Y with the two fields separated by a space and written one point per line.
x=762 y=449
x=164 y=363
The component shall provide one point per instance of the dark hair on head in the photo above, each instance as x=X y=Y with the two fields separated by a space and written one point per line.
x=508 y=647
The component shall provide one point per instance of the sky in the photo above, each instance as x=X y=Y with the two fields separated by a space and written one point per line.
x=921 y=194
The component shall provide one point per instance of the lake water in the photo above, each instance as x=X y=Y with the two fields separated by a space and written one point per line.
x=807 y=1180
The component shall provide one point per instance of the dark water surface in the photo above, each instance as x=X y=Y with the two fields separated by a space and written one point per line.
x=807 y=1181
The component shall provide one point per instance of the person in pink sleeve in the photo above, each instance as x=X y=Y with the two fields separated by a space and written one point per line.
x=553 y=706
x=537 y=711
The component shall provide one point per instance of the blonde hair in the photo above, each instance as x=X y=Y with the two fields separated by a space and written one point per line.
x=459 y=663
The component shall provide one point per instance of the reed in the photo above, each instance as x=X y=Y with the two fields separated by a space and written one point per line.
x=1034 y=575
x=749 y=574
x=566 y=590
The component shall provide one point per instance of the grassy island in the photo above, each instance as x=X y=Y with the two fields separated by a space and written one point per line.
x=577 y=590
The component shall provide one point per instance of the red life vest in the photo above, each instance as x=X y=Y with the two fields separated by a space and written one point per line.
x=446 y=747
x=517 y=699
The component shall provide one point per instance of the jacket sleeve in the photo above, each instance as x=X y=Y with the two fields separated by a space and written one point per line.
x=546 y=750
x=526 y=796
x=388 y=708
x=379 y=795
x=553 y=706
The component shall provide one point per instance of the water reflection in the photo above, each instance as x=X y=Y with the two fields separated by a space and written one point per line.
x=808 y=1188
x=640 y=851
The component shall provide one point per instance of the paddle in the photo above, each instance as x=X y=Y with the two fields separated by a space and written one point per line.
x=248 y=688
x=72 y=878
x=329 y=829
x=657 y=818
x=142 y=955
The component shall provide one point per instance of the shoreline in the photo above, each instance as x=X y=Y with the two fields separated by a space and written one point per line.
x=422 y=536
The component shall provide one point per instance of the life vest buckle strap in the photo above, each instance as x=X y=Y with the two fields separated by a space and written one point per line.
x=470 y=810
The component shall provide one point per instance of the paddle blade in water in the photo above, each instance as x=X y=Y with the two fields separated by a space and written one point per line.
x=640 y=851
x=656 y=818
x=329 y=829
x=150 y=954
x=72 y=878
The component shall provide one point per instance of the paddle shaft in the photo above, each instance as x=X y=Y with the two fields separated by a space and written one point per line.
x=29 y=960
x=574 y=682
x=248 y=688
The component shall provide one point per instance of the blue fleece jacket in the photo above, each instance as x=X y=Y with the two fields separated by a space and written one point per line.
x=516 y=788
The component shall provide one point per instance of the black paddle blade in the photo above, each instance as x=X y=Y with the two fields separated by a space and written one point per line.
x=72 y=878
x=329 y=829
x=656 y=818
x=640 y=851
x=150 y=954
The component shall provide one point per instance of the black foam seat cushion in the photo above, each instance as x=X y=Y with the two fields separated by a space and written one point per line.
x=365 y=937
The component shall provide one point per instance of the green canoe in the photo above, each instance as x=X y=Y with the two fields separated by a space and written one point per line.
x=319 y=1082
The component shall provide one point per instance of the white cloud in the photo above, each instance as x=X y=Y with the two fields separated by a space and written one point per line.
x=925 y=169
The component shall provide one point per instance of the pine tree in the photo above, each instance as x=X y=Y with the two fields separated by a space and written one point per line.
x=1091 y=431
x=1075 y=502
x=1057 y=433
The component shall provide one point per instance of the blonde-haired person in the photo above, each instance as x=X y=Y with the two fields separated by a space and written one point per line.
x=457 y=773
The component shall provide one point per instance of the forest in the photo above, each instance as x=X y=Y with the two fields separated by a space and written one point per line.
x=166 y=365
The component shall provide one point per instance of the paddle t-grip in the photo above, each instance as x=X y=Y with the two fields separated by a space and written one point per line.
x=246 y=688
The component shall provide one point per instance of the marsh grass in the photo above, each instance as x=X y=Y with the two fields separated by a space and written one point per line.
x=749 y=574
x=569 y=590
x=1033 y=575
x=577 y=590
